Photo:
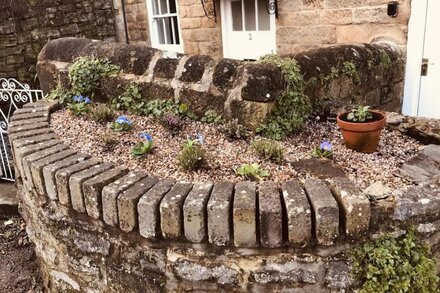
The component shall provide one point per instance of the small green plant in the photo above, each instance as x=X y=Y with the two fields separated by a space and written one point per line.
x=159 y=108
x=80 y=105
x=212 y=116
x=86 y=72
x=108 y=141
x=60 y=94
x=193 y=155
x=102 y=114
x=324 y=151
x=121 y=124
x=349 y=69
x=144 y=146
x=395 y=265
x=370 y=64
x=172 y=123
x=360 y=114
x=292 y=107
x=385 y=59
x=269 y=150
x=235 y=130
x=130 y=100
x=252 y=171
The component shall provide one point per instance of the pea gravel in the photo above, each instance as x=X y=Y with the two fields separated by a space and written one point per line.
x=226 y=156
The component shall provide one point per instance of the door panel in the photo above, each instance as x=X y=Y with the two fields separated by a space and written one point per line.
x=429 y=98
x=248 y=29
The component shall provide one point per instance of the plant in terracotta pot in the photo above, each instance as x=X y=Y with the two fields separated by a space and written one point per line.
x=361 y=128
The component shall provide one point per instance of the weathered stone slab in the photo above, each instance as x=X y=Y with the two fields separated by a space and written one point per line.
x=28 y=149
x=92 y=190
x=49 y=172
x=62 y=177
x=219 y=214
x=111 y=192
x=298 y=212
x=128 y=203
x=76 y=182
x=49 y=105
x=18 y=143
x=271 y=225
x=36 y=168
x=33 y=132
x=194 y=212
x=25 y=116
x=354 y=205
x=432 y=152
x=19 y=123
x=326 y=211
x=149 y=209
x=38 y=156
x=31 y=110
x=171 y=215
x=27 y=127
x=245 y=215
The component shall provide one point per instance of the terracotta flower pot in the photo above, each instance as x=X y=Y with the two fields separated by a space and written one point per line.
x=362 y=136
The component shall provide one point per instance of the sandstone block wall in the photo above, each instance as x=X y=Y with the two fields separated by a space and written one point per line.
x=26 y=26
x=138 y=233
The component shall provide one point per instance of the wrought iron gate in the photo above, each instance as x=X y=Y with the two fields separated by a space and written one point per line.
x=12 y=97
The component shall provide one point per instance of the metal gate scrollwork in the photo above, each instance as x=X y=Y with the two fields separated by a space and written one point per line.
x=13 y=95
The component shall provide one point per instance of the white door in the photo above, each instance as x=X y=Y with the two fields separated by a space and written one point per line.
x=164 y=25
x=429 y=99
x=422 y=91
x=248 y=28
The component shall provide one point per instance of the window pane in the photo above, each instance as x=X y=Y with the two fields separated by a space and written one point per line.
x=155 y=7
x=176 y=30
x=263 y=16
x=249 y=15
x=173 y=6
x=237 y=18
x=163 y=7
x=168 y=30
x=160 y=31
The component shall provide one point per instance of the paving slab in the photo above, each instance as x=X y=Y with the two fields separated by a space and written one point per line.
x=219 y=214
x=245 y=215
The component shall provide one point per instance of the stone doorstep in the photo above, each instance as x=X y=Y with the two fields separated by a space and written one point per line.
x=92 y=190
x=354 y=205
x=326 y=211
x=219 y=216
x=49 y=172
x=27 y=127
x=128 y=201
x=111 y=192
x=148 y=209
x=194 y=212
x=244 y=215
x=270 y=213
x=171 y=214
x=76 y=184
x=28 y=160
x=62 y=177
x=37 y=168
x=21 y=152
x=18 y=123
x=298 y=212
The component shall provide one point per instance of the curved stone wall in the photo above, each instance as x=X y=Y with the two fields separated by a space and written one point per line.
x=101 y=228
x=336 y=76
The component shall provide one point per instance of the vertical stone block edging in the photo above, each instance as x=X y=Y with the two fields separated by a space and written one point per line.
x=245 y=214
x=270 y=215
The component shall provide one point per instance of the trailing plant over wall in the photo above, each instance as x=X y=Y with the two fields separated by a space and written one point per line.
x=86 y=73
x=395 y=265
x=292 y=106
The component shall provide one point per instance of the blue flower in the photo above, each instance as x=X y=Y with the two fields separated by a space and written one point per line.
x=200 y=138
x=87 y=100
x=326 y=146
x=78 y=99
x=123 y=120
x=146 y=136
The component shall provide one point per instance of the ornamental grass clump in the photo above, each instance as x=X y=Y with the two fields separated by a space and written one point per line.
x=324 y=151
x=193 y=155
x=143 y=147
x=80 y=105
x=252 y=171
x=395 y=265
x=102 y=114
x=269 y=150
x=234 y=130
x=121 y=124
x=108 y=141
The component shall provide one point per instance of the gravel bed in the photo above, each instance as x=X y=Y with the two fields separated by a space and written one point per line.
x=226 y=156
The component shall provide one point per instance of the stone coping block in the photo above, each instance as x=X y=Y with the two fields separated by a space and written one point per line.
x=111 y=192
x=325 y=211
x=18 y=123
x=27 y=127
x=243 y=214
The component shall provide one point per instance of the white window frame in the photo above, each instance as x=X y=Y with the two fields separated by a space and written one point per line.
x=154 y=38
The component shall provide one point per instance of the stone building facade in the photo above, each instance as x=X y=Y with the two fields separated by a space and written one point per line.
x=299 y=24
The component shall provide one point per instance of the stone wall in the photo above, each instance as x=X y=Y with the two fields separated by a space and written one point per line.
x=26 y=26
x=136 y=18
x=100 y=228
x=236 y=89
